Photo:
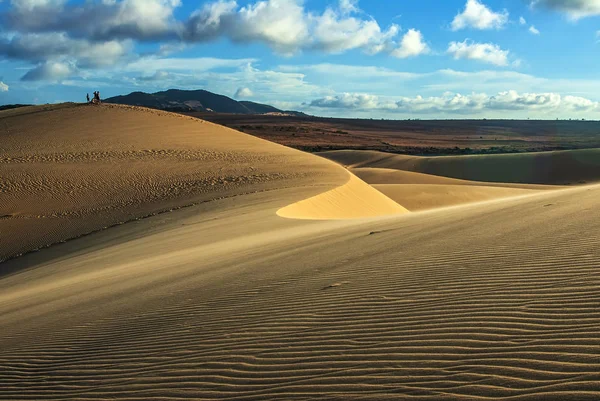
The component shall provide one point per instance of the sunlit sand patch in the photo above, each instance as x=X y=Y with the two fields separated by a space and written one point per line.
x=355 y=199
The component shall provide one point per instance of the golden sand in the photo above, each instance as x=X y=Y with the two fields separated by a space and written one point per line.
x=227 y=300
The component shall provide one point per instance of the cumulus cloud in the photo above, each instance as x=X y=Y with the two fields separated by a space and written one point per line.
x=102 y=33
x=242 y=93
x=49 y=71
x=3 y=87
x=522 y=21
x=484 y=52
x=477 y=15
x=534 y=30
x=52 y=46
x=411 y=45
x=104 y=20
x=336 y=32
x=287 y=27
x=349 y=101
x=574 y=9
x=455 y=103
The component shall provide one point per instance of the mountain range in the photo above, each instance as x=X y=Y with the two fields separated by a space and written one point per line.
x=196 y=100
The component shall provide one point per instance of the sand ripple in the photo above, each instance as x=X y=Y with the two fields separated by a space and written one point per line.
x=488 y=302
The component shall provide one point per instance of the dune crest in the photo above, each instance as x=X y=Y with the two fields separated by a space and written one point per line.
x=355 y=199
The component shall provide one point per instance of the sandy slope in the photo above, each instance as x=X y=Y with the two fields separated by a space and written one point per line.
x=355 y=199
x=555 y=168
x=67 y=170
x=416 y=197
x=396 y=176
x=495 y=300
x=228 y=300
x=375 y=176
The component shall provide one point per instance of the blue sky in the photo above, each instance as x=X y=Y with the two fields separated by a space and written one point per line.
x=373 y=59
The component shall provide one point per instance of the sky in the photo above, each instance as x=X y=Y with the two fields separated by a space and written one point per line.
x=340 y=58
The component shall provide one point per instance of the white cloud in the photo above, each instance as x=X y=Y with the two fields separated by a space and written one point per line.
x=522 y=21
x=102 y=33
x=287 y=27
x=484 y=52
x=534 y=30
x=280 y=23
x=574 y=9
x=336 y=32
x=98 y=20
x=146 y=18
x=349 y=101
x=455 y=103
x=192 y=64
x=3 y=87
x=577 y=103
x=243 y=93
x=50 y=71
x=412 y=45
x=478 y=16
x=349 y=6
x=39 y=47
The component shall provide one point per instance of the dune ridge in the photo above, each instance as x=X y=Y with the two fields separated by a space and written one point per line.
x=355 y=199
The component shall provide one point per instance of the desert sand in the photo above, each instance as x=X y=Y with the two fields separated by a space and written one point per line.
x=67 y=171
x=551 y=168
x=423 y=183
x=276 y=287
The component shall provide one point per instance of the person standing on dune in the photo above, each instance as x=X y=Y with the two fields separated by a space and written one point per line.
x=87 y=96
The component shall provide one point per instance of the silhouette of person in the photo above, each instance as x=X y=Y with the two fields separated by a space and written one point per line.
x=87 y=96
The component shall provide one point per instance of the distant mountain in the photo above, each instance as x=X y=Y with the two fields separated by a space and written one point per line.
x=257 y=108
x=195 y=100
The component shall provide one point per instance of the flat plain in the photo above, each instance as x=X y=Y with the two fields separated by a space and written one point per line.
x=415 y=137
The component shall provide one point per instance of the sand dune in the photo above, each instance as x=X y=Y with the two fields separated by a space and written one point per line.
x=492 y=301
x=430 y=196
x=355 y=199
x=228 y=300
x=378 y=176
x=68 y=170
x=418 y=191
x=554 y=168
